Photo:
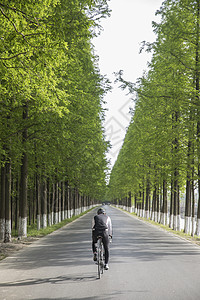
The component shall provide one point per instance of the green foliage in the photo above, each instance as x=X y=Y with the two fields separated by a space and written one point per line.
x=47 y=63
x=165 y=118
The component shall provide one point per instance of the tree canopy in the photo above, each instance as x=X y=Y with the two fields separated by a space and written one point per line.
x=162 y=142
x=51 y=99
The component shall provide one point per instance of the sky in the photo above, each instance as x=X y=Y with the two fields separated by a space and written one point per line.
x=118 y=48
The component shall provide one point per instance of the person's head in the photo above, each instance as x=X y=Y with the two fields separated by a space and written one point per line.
x=101 y=211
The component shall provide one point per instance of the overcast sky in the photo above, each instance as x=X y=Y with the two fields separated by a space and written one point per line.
x=118 y=49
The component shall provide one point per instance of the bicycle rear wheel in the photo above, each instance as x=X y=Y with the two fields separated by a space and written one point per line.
x=102 y=258
x=99 y=258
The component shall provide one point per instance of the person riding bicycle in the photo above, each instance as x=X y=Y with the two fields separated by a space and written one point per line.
x=101 y=226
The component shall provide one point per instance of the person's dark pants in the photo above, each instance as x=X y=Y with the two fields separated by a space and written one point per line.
x=105 y=240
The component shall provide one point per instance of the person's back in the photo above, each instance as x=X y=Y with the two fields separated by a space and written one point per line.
x=100 y=222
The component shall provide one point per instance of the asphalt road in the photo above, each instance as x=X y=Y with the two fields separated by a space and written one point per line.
x=146 y=263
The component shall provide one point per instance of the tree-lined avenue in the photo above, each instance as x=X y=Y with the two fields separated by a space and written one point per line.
x=145 y=263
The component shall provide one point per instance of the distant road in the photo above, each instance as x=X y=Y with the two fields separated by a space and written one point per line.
x=146 y=263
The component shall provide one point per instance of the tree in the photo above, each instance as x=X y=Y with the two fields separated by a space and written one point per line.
x=51 y=92
x=164 y=142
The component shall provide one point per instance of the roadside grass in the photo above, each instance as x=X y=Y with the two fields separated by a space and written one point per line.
x=33 y=232
x=194 y=239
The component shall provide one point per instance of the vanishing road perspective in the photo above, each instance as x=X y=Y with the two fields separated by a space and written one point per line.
x=145 y=263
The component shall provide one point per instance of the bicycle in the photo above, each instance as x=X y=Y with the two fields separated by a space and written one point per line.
x=100 y=256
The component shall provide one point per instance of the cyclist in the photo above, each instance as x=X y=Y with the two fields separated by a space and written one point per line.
x=101 y=225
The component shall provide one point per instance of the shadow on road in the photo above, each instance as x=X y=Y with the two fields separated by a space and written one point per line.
x=55 y=280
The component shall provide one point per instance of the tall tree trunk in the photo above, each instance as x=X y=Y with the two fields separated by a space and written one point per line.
x=23 y=183
x=49 y=203
x=38 y=199
x=66 y=200
x=188 y=204
x=190 y=173
x=135 y=200
x=176 y=220
x=59 y=200
x=175 y=152
x=197 y=77
x=71 y=202
x=171 y=205
x=198 y=207
x=7 y=237
x=147 y=199
x=30 y=206
x=153 y=217
x=164 y=207
x=140 y=204
x=2 y=204
x=143 y=203
x=63 y=201
x=23 y=198
x=34 y=203
x=157 y=206
x=193 y=210
x=74 y=202
x=129 y=202
x=53 y=196
x=17 y=187
x=44 y=204
x=56 y=208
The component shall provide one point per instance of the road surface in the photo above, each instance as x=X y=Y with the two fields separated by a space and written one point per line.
x=146 y=263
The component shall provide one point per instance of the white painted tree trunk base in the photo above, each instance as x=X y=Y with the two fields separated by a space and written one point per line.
x=143 y=213
x=38 y=222
x=56 y=218
x=165 y=219
x=52 y=218
x=171 y=221
x=66 y=214
x=69 y=214
x=158 y=217
x=44 y=221
x=2 y=229
x=22 y=227
x=49 y=219
x=178 y=223
x=162 y=219
x=155 y=216
x=198 y=227
x=193 y=226
x=187 y=229
x=146 y=214
x=59 y=216
x=7 y=237
x=175 y=223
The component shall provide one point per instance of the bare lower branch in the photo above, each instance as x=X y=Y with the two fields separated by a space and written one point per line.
x=18 y=32
x=7 y=58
